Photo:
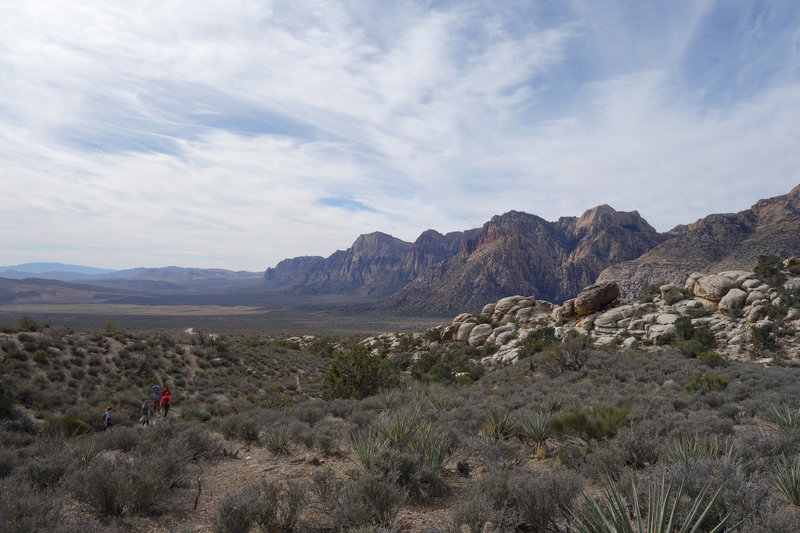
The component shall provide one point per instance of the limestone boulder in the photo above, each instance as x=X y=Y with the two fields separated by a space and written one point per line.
x=505 y=304
x=691 y=280
x=596 y=297
x=568 y=309
x=735 y=299
x=462 y=318
x=713 y=287
x=488 y=309
x=449 y=333
x=462 y=335
x=479 y=334
x=504 y=337
x=661 y=333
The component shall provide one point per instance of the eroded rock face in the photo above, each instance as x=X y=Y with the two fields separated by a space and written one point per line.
x=596 y=297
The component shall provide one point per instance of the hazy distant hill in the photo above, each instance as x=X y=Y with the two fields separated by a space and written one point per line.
x=58 y=271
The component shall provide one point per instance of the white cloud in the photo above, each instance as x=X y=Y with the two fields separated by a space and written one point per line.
x=210 y=134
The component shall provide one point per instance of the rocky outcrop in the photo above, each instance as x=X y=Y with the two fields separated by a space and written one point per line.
x=740 y=302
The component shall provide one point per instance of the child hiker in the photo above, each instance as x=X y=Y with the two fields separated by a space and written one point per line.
x=145 y=419
x=107 y=418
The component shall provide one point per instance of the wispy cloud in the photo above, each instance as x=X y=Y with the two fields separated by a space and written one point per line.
x=238 y=134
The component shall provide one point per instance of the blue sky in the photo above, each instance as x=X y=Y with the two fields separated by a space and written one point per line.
x=236 y=134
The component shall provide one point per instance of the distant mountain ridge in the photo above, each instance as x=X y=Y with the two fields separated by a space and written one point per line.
x=438 y=274
x=520 y=253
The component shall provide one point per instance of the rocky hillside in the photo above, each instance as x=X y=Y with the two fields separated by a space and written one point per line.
x=716 y=243
x=739 y=314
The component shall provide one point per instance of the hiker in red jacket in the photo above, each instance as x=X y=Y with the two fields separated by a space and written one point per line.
x=166 y=399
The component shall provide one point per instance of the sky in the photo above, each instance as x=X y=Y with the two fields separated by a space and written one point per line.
x=237 y=133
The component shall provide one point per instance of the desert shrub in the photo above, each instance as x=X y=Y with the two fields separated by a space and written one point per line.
x=23 y=509
x=541 y=499
x=349 y=504
x=537 y=341
x=124 y=439
x=763 y=336
x=237 y=511
x=742 y=494
x=6 y=397
x=692 y=341
x=65 y=427
x=769 y=269
x=139 y=485
x=649 y=293
x=706 y=383
x=357 y=374
x=712 y=359
x=570 y=355
x=49 y=469
x=26 y=323
x=594 y=422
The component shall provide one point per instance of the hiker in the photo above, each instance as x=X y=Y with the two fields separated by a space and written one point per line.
x=166 y=400
x=145 y=419
x=156 y=398
x=107 y=418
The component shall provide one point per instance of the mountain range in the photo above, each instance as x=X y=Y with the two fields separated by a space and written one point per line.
x=513 y=253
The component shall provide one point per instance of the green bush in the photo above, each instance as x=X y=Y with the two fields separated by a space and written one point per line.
x=712 y=359
x=706 y=383
x=593 y=422
x=537 y=341
x=769 y=269
x=357 y=374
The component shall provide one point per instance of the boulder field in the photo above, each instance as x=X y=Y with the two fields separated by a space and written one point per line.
x=732 y=305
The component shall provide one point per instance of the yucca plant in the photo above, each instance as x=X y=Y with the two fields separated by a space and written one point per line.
x=441 y=398
x=688 y=449
x=433 y=447
x=400 y=429
x=500 y=424
x=537 y=430
x=277 y=441
x=366 y=444
x=786 y=478
x=784 y=416
x=660 y=516
x=388 y=397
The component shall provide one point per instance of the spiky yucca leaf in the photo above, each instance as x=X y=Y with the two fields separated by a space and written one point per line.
x=500 y=424
x=786 y=478
x=536 y=428
x=612 y=515
x=784 y=416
